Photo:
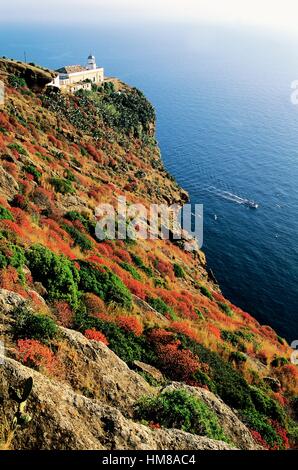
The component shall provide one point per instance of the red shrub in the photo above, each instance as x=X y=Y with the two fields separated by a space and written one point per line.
x=20 y=201
x=35 y=299
x=181 y=302
x=288 y=375
x=258 y=439
x=94 y=304
x=25 y=186
x=2 y=142
x=123 y=255
x=4 y=122
x=13 y=227
x=219 y=297
x=105 y=249
x=280 y=398
x=153 y=425
x=184 y=328
x=136 y=287
x=178 y=364
x=214 y=330
x=282 y=433
x=63 y=313
x=161 y=336
x=268 y=332
x=9 y=278
x=54 y=226
x=94 y=194
x=36 y=355
x=10 y=166
x=96 y=336
x=55 y=142
x=165 y=268
x=130 y=324
x=96 y=154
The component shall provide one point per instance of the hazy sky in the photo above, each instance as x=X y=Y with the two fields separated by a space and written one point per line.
x=280 y=14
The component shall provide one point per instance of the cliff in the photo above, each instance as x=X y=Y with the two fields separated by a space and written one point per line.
x=125 y=328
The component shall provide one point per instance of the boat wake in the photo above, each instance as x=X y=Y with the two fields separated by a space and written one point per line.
x=232 y=197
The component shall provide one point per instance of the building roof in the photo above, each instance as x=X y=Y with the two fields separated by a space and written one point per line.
x=71 y=69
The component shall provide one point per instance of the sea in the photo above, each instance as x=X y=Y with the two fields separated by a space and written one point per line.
x=228 y=133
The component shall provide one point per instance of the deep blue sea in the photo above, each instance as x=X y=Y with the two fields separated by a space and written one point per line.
x=226 y=127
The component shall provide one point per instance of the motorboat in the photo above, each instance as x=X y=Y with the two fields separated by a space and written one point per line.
x=251 y=204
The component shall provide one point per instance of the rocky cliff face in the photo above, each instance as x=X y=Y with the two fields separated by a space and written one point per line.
x=115 y=332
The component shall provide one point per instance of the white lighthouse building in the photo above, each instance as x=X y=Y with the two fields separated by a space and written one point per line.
x=72 y=78
x=91 y=62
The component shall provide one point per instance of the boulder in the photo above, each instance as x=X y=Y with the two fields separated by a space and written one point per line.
x=8 y=185
x=65 y=420
x=150 y=370
x=94 y=370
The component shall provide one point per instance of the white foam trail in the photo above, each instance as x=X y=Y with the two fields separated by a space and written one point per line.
x=228 y=195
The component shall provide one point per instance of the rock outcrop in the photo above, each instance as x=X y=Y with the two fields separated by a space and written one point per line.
x=65 y=420
x=230 y=423
x=36 y=77
x=105 y=375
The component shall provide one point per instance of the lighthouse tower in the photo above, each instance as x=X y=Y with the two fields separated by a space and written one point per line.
x=91 y=65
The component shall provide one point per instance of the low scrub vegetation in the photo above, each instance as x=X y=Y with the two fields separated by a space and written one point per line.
x=180 y=410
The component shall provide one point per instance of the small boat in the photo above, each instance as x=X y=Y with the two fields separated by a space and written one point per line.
x=251 y=204
x=215 y=217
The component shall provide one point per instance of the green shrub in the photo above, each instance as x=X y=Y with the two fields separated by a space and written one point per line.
x=62 y=186
x=159 y=305
x=178 y=271
x=229 y=336
x=140 y=264
x=78 y=237
x=5 y=214
x=88 y=224
x=267 y=405
x=31 y=169
x=203 y=379
x=180 y=410
x=18 y=148
x=131 y=270
x=148 y=377
x=279 y=361
x=206 y=292
x=225 y=308
x=33 y=326
x=237 y=357
x=229 y=383
x=258 y=422
x=12 y=255
x=292 y=428
x=102 y=282
x=199 y=313
x=280 y=340
x=69 y=175
x=55 y=272
x=17 y=82
x=246 y=335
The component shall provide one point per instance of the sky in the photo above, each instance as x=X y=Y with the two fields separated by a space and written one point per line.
x=274 y=14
